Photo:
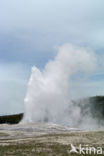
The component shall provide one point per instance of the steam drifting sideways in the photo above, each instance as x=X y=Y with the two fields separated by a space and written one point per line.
x=48 y=94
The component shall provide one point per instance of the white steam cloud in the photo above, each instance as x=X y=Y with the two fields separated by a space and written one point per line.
x=48 y=94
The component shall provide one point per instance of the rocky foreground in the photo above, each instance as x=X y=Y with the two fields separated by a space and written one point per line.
x=45 y=140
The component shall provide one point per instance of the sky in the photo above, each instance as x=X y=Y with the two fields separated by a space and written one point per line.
x=30 y=31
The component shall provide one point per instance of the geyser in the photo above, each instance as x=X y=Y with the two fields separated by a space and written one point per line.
x=48 y=94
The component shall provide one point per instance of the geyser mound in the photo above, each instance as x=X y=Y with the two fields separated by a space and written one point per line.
x=48 y=94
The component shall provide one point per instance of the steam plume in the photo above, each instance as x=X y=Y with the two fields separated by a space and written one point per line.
x=48 y=94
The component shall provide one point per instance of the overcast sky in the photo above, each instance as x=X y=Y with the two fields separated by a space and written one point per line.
x=29 y=32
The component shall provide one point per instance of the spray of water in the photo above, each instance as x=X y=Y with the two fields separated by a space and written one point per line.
x=48 y=94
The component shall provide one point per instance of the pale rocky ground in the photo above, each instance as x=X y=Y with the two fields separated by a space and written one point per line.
x=44 y=139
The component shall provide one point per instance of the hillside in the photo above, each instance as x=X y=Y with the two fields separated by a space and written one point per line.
x=11 y=119
x=94 y=105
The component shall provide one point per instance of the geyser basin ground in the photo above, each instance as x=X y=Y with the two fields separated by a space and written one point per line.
x=41 y=139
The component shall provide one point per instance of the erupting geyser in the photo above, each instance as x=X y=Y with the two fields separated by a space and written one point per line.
x=48 y=94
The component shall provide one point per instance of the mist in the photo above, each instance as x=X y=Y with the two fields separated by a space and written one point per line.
x=48 y=95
